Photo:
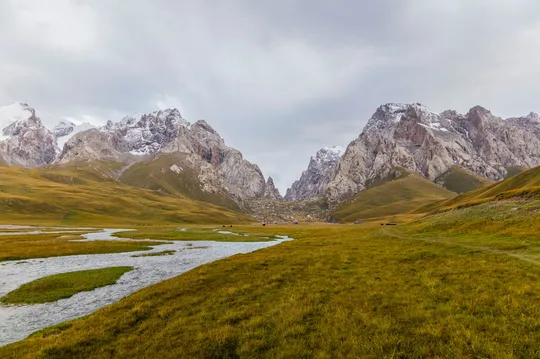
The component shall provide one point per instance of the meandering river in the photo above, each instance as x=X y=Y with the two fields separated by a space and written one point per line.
x=17 y=322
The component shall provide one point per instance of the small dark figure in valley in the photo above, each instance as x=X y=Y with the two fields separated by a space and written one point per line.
x=230 y=226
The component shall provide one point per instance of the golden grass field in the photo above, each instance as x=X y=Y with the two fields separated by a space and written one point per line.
x=336 y=291
x=523 y=185
x=87 y=194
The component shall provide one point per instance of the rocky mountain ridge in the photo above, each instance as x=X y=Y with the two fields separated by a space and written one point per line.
x=407 y=136
x=24 y=140
x=313 y=181
x=218 y=168
x=412 y=137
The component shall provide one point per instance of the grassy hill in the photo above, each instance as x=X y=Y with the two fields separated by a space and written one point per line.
x=88 y=193
x=390 y=197
x=514 y=170
x=459 y=180
x=523 y=185
x=156 y=174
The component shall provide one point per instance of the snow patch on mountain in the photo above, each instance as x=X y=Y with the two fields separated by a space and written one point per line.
x=11 y=114
x=64 y=130
x=24 y=141
x=145 y=134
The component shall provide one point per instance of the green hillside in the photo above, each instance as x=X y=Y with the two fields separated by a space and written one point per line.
x=514 y=170
x=459 y=180
x=392 y=197
x=523 y=185
x=156 y=174
x=89 y=194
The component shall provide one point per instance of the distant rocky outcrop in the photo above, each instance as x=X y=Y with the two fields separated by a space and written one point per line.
x=24 y=140
x=271 y=211
x=314 y=180
x=271 y=191
x=64 y=130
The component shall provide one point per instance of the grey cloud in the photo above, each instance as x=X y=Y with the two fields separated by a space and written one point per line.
x=278 y=79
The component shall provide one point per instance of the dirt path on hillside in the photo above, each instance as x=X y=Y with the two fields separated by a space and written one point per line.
x=523 y=257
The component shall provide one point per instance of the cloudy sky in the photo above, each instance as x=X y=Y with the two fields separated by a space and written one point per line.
x=277 y=79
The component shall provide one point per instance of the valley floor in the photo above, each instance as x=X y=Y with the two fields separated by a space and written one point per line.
x=335 y=291
x=149 y=267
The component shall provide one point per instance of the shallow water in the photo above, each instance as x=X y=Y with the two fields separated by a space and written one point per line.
x=41 y=231
x=17 y=322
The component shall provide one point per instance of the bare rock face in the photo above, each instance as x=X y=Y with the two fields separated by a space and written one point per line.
x=318 y=174
x=24 y=141
x=241 y=178
x=94 y=145
x=416 y=139
x=270 y=191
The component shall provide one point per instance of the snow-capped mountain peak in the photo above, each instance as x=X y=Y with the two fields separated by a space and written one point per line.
x=334 y=151
x=533 y=116
x=65 y=129
x=145 y=134
x=11 y=114
x=328 y=156
x=24 y=141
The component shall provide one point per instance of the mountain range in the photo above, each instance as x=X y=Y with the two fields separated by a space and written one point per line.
x=478 y=147
x=162 y=151
x=177 y=156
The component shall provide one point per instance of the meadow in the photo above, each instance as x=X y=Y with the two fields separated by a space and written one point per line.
x=336 y=291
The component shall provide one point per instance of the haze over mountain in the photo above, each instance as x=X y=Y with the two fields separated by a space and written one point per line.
x=277 y=80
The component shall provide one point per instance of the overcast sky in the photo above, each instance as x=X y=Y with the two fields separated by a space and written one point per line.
x=277 y=79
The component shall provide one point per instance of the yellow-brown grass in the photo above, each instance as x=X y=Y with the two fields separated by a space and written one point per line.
x=336 y=291
x=74 y=196
x=18 y=247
